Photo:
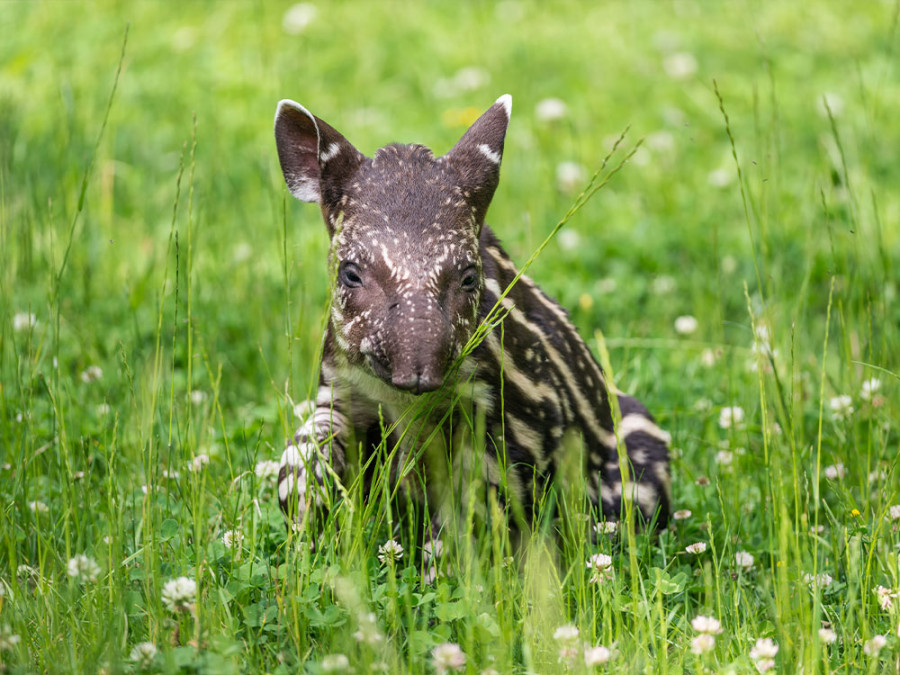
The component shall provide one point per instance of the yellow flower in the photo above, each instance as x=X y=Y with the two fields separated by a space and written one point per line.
x=854 y=513
x=585 y=301
x=460 y=117
x=780 y=563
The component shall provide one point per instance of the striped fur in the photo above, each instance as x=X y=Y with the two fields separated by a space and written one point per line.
x=417 y=272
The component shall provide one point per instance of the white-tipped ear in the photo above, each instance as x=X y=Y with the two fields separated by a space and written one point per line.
x=316 y=159
x=506 y=102
x=477 y=155
x=297 y=139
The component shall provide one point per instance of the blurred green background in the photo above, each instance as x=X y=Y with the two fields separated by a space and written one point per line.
x=418 y=72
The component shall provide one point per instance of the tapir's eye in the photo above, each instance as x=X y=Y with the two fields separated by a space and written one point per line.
x=469 y=279
x=348 y=275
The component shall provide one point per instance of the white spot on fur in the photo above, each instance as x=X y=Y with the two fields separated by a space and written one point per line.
x=636 y=422
x=485 y=150
x=330 y=153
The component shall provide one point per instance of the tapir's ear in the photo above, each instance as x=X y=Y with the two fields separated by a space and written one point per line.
x=315 y=159
x=476 y=157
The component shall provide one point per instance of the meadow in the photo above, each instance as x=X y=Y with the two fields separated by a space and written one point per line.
x=162 y=301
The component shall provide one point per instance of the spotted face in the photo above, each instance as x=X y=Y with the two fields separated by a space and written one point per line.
x=404 y=229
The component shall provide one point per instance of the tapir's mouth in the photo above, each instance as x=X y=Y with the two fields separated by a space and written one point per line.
x=381 y=370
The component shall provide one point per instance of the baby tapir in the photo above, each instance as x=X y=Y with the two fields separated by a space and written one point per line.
x=415 y=272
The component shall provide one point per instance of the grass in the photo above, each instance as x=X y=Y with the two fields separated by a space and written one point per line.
x=178 y=296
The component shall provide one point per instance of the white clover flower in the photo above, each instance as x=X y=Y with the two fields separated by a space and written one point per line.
x=27 y=573
x=433 y=548
x=835 y=471
x=335 y=663
x=683 y=514
x=661 y=141
x=822 y=580
x=169 y=474
x=91 y=374
x=877 y=476
x=721 y=177
x=894 y=512
x=724 y=457
x=179 y=595
x=8 y=640
x=569 y=240
x=869 y=388
x=703 y=405
x=703 y=643
x=267 y=469
x=743 y=559
x=685 y=325
x=466 y=79
x=232 y=538
x=447 y=656
x=841 y=406
x=143 y=654
x=570 y=177
x=568 y=653
x=567 y=633
x=764 y=665
x=23 y=321
x=298 y=17
x=38 y=507
x=729 y=264
x=198 y=462
x=886 y=597
x=600 y=565
x=471 y=78
x=706 y=624
x=764 y=648
x=597 y=656
x=606 y=285
x=103 y=409
x=680 y=65
x=696 y=549
x=304 y=409
x=241 y=253
x=390 y=552
x=607 y=527
x=368 y=632
x=731 y=417
x=763 y=348
x=763 y=335
x=198 y=396
x=83 y=570
x=663 y=284
x=550 y=110
x=827 y=636
x=875 y=645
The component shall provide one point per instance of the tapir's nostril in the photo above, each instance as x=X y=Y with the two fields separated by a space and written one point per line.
x=418 y=383
x=394 y=306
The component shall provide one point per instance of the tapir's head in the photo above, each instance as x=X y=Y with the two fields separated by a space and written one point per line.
x=404 y=229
